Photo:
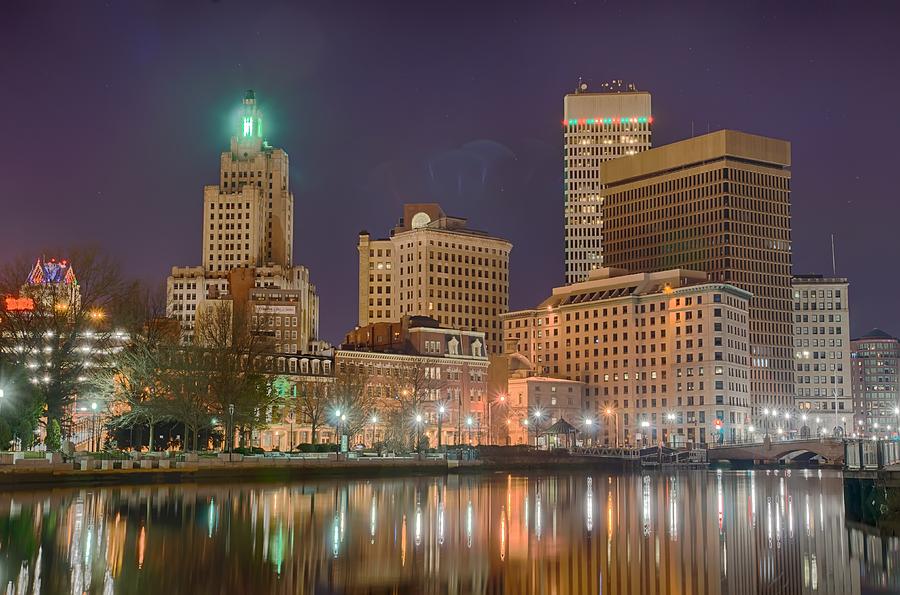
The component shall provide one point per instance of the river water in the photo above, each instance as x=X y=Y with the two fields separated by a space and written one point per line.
x=679 y=533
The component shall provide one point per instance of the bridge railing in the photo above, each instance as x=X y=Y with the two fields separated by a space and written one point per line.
x=612 y=452
x=870 y=455
x=777 y=442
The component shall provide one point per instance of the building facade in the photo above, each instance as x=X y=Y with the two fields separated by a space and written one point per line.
x=822 y=354
x=597 y=127
x=247 y=235
x=876 y=392
x=433 y=265
x=718 y=203
x=537 y=402
x=659 y=354
x=416 y=367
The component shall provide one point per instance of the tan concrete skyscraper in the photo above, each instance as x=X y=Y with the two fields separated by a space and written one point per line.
x=718 y=203
x=598 y=126
x=433 y=265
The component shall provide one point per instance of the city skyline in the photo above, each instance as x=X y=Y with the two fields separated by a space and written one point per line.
x=362 y=146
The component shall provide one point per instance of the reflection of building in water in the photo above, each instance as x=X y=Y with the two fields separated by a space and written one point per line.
x=697 y=532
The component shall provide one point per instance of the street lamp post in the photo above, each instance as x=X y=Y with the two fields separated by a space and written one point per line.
x=374 y=430
x=2 y=394
x=441 y=410
x=645 y=427
x=469 y=425
x=419 y=421
x=291 y=439
x=230 y=429
x=94 y=434
x=538 y=414
x=671 y=418
x=501 y=400
x=609 y=412
x=589 y=424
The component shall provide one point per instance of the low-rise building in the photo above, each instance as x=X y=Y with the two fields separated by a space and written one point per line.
x=659 y=354
x=537 y=402
x=876 y=392
x=418 y=369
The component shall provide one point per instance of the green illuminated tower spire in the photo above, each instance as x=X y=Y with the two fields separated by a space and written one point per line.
x=248 y=138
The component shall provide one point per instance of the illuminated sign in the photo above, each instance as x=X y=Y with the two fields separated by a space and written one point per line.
x=21 y=304
x=266 y=309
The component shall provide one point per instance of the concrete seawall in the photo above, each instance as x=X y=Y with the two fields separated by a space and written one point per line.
x=278 y=469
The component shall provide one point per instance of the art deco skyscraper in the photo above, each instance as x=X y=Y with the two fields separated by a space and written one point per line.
x=719 y=203
x=248 y=241
x=598 y=126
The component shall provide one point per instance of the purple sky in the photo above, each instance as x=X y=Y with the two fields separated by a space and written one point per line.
x=116 y=114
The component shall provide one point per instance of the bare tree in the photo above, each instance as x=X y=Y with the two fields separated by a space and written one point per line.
x=312 y=404
x=418 y=389
x=353 y=395
x=132 y=383
x=235 y=360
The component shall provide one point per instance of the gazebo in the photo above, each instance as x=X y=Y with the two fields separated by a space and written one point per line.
x=561 y=434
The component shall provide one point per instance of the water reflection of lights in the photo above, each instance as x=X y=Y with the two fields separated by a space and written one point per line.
x=503 y=533
x=142 y=546
x=589 y=505
x=753 y=499
x=469 y=524
x=372 y=519
x=790 y=517
x=441 y=523
x=94 y=533
x=720 y=500
x=418 y=526
x=211 y=517
x=673 y=508
x=645 y=505
x=335 y=536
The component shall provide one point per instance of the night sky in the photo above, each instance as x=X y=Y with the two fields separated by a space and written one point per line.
x=115 y=115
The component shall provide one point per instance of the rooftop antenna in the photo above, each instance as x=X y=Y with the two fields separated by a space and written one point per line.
x=692 y=129
x=833 y=261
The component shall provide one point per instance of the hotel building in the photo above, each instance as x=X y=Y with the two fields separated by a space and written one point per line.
x=659 y=354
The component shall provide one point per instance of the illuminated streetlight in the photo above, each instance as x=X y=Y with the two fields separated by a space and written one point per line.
x=440 y=428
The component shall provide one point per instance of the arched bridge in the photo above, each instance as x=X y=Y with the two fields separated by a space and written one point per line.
x=827 y=448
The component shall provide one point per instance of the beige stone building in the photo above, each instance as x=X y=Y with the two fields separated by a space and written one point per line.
x=822 y=354
x=659 y=353
x=597 y=127
x=718 y=203
x=247 y=235
x=433 y=265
